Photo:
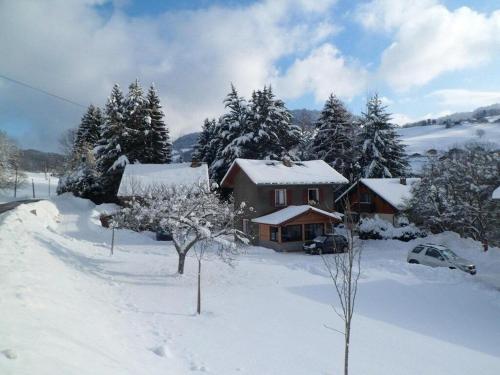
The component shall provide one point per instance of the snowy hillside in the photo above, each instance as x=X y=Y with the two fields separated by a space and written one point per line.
x=420 y=139
x=71 y=308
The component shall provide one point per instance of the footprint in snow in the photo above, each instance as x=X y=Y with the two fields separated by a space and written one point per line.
x=162 y=351
x=9 y=353
x=195 y=367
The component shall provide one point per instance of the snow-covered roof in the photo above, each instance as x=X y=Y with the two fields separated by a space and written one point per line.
x=139 y=177
x=291 y=212
x=391 y=189
x=273 y=172
x=496 y=193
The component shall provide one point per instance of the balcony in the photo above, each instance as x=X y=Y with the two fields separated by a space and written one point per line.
x=366 y=207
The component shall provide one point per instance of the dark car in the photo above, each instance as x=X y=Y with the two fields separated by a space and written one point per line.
x=326 y=244
x=163 y=235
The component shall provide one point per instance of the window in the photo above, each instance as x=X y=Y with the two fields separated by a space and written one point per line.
x=433 y=253
x=246 y=228
x=314 y=230
x=365 y=198
x=313 y=195
x=274 y=234
x=280 y=197
x=418 y=249
x=291 y=233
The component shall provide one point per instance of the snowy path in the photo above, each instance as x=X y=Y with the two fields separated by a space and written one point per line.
x=73 y=309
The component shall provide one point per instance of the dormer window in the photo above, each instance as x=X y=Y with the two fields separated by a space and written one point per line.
x=313 y=195
x=280 y=197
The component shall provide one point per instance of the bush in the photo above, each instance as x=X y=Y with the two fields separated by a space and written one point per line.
x=378 y=229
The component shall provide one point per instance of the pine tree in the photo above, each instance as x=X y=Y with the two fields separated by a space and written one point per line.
x=88 y=133
x=81 y=175
x=139 y=144
x=159 y=137
x=271 y=135
x=382 y=154
x=335 y=137
x=206 y=147
x=230 y=140
x=111 y=151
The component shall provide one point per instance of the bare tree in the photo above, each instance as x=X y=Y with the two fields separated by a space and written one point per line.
x=192 y=214
x=344 y=270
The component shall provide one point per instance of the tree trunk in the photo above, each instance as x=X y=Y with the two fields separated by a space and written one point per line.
x=182 y=259
x=198 y=308
x=346 y=349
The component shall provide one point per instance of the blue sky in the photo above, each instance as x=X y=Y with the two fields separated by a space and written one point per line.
x=424 y=57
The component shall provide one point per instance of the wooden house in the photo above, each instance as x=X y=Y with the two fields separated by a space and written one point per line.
x=291 y=201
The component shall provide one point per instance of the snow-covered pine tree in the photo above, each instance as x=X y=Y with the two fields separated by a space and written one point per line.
x=335 y=139
x=160 y=137
x=81 y=175
x=88 y=133
x=381 y=152
x=139 y=143
x=231 y=139
x=271 y=135
x=111 y=152
x=205 y=149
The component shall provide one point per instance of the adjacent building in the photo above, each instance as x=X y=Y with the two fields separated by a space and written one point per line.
x=291 y=202
x=138 y=179
x=386 y=197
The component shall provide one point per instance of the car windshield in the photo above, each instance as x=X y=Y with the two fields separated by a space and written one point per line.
x=449 y=254
x=320 y=239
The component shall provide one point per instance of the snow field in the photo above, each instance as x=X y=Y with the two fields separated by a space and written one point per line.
x=420 y=139
x=25 y=190
x=73 y=309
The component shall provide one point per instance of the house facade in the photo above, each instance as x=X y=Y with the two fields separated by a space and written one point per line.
x=385 y=197
x=291 y=202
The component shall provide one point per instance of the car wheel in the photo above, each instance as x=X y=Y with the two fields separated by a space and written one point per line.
x=413 y=261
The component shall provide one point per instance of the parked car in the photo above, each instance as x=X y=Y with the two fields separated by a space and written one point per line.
x=326 y=244
x=163 y=235
x=439 y=256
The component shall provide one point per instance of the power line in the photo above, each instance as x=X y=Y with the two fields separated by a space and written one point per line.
x=41 y=90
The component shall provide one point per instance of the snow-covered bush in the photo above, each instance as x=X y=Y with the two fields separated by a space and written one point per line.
x=379 y=229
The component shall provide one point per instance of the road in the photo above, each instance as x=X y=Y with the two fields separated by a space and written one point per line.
x=10 y=205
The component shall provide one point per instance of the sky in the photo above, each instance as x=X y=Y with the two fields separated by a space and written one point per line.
x=425 y=58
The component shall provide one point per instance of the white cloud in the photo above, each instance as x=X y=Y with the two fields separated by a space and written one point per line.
x=429 y=39
x=460 y=99
x=68 y=47
x=322 y=72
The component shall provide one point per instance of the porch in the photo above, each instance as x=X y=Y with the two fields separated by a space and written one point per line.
x=288 y=229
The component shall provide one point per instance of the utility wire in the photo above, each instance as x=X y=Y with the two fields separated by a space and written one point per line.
x=42 y=91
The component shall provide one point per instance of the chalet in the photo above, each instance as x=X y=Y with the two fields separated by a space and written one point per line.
x=291 y=201
x=139 y=178
x=385 y=197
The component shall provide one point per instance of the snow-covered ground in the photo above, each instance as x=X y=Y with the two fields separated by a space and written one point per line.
x=45 y=186
x=68 y=307
x=420 y=139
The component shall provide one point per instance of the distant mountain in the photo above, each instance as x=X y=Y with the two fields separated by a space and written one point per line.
x=40 y=161
x=486 y=114
x=183 y=147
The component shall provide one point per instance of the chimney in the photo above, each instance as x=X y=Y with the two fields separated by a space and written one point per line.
x=287 y=162
x=402 y=180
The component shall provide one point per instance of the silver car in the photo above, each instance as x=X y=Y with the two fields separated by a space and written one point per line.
x=439 y=256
